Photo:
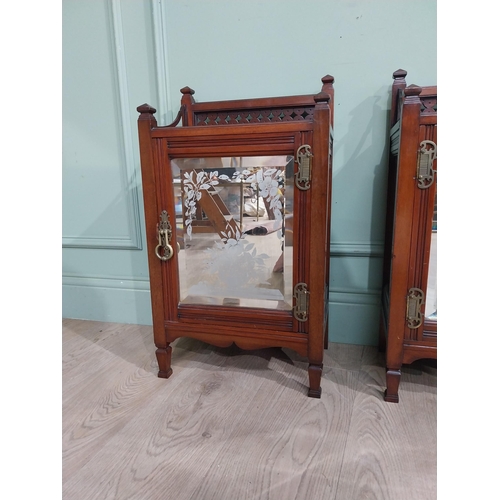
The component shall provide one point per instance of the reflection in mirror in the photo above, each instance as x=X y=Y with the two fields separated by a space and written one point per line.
x=234 y=223
x=431 y=300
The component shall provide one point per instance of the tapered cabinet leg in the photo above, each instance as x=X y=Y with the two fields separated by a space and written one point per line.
x=315 y=372
x=393 y=377
x=164 y=357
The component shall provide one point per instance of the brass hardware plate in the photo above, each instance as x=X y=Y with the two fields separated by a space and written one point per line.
x=414 y=301
x=304 y=161
x=164 y=238
x=426 y=156
x=301 y=296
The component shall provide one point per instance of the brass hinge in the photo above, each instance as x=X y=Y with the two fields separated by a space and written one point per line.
x=426 y=157
x=301 y=307
x=304 y=161
x=414 y=301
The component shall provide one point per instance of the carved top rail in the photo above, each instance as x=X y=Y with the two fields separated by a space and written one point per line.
x=428 y=98
x=253 y=111
x=262 y=115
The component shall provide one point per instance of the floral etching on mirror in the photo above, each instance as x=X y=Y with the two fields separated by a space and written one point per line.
x=235 y=263
x=269 y=183
x=193 y=188
x=232 y=255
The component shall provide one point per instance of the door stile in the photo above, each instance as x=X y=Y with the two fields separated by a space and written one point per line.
x=302 y=230
x=170 y=268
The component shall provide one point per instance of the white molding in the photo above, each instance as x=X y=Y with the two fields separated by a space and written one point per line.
x=131 y=189
x=355 y=296
x=357 y=249
x=123 y=283
x=114 y=299
x=99 y=242
x=164 y=107
x=129 y=173
x=355 y=322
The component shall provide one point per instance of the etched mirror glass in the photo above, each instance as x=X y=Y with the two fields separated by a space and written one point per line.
x=234 y=226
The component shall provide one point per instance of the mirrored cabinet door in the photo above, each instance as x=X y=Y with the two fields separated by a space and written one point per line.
x=234 y=224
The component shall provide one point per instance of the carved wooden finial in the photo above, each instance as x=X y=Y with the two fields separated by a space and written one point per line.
x=187 y=102
x=412 y=90
x=146 y=109
x=328 y=89
x=322 y=97
x=399 y=74
x=187 y=90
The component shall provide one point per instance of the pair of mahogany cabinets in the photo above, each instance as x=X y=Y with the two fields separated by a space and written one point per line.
x=237 y=198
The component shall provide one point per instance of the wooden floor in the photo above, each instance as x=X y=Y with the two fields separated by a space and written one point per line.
x=236 y=425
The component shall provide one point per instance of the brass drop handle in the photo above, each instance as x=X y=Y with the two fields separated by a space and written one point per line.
x=164 y=237
x=168 y=252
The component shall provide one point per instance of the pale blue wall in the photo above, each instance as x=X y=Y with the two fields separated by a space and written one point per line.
x=120 y=54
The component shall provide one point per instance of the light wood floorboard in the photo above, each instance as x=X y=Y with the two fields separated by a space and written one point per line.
x=238 y=425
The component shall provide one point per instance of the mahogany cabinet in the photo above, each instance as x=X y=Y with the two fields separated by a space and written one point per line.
x=408 y=329
x=237 y=207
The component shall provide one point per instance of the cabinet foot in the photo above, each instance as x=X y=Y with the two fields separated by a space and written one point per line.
x=315 y=372
x=164 y=357
x=391 y=394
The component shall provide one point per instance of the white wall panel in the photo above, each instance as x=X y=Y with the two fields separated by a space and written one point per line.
x=118 y=54
x=100 y=197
